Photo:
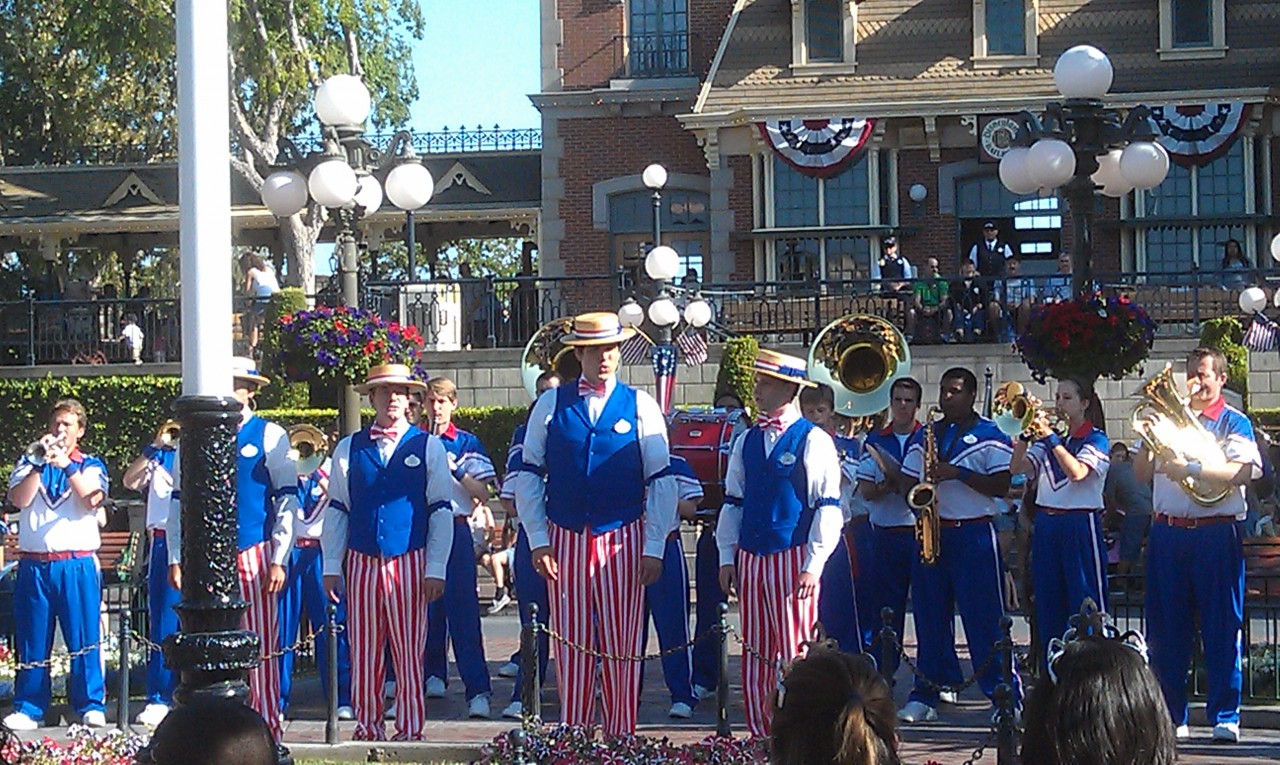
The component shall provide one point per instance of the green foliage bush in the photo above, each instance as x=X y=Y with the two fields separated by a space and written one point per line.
x=1226 y=334
x=281 y=395
x=735 y=374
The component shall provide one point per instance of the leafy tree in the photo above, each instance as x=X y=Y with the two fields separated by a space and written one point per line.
x=482 y=257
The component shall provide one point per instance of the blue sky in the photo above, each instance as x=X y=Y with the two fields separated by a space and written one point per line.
x=477 y=64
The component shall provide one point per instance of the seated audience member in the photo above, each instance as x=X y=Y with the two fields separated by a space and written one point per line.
x=834 y=707
x=212 y=732
x=499 y=559
x=1055 y=288
x=1019 y=298
x=1099 y=705
x=930 y=310
x=975 y=313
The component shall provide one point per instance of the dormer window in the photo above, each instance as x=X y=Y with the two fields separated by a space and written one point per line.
x=1193 y=29
x=1005 y=33
x=822 y=35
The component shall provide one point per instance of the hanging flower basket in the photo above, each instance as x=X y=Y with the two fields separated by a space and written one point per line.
x=1088 y=338
x=340 y=344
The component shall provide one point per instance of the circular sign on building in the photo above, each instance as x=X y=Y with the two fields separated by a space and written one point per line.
x=996 y=136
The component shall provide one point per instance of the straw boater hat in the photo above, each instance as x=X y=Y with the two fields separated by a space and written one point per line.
x=598 y=328
x=390 y=374
x=246 y=369
x=783 y=367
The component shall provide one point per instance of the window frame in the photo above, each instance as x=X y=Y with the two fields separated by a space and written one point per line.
x=684 y=56
x=800 y=63
x=1217 y=47
x=1031 y=34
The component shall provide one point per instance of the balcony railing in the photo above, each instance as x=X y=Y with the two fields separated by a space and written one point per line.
x=659 y=54
x=461 y=314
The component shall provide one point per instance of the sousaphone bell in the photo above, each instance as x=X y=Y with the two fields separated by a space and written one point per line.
x=546 y=351
x=859 y=356
x=308 y=446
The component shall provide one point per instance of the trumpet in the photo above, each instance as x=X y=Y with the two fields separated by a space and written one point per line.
x=1014 y=410
x=37 y=453
x=168 y=433
x=308 y=447
x=923 y=497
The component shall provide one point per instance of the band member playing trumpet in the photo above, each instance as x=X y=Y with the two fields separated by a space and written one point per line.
x=1194 y=559
x=972 y=470
x=1068 y=556
x=58 y=491
x=779 y=525
x=152 y=472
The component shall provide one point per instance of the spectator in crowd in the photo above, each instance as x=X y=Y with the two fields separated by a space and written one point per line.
x=1128 y=502
x=1236 y=272
x=1057 y=287
x=930 y=305
x=895 y=269
x=1099 y=705
x=259 y=285
x=499 y=559
x=131 y=335
x=1019 y=299
x=974 y=311
x=834 y=707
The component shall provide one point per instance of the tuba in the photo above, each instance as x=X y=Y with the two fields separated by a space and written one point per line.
x=1178 y=432
x=859 y=356
x=545 y=352
x=168 y=433
x=923 y=497
x=308 y=447
x=1013 y=411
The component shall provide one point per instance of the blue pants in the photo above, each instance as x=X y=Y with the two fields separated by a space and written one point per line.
x=837 y=608
x=1196 y=571
x=161 y=598
x=456 y=618
x=968 y=576
x=667 y=600
x=68 y=592
x=530 y=588
x=1068 y=564
x=304 y=591
x=706 y=652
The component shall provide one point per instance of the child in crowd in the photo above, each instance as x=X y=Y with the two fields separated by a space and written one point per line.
x=499 y=558
x=132 y=336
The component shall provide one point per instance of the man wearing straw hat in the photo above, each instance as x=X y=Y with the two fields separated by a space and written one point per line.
x=778 y=529
x=266 y=503
x=387 y=486
x=598 y=524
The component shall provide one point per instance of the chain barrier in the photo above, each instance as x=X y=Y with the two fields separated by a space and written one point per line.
x=152 y=647
x=19 y=666
x=964 y=685
x=597 y=654
x=983 y=746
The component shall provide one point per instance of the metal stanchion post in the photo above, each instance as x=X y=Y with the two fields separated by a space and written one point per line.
x=122 y=704
x=531 y=693
x=888 y=644
x=722 y=688
x=1006 y=722
x=518 y=740
x=331 y=640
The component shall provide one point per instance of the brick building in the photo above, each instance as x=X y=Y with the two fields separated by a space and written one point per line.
x=696 y=85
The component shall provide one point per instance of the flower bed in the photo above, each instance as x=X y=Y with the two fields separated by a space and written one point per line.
x=85 y=748
x=1087 y=338
x=568 y=745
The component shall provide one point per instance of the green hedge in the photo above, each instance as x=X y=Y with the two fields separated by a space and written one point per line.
x=736 y=375
x=124 y=413
x=1226 y=334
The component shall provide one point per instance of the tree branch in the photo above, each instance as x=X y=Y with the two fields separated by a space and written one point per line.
x=260 y=31
x=300 y=43
x=353 y=52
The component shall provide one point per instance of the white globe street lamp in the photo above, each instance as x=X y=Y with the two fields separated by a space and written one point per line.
x=1253 y=300
x=662 y=263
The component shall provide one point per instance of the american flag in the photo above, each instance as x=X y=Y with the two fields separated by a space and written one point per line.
x=1263 y=334
x=635 y=350
x=693 y=346
x=664 y=375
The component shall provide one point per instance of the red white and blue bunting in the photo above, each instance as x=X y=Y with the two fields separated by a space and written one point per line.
x=1198 y=134
x=819 y=148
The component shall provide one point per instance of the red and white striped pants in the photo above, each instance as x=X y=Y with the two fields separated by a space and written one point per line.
x=598 y=601
x=254 y=564
x=774 y=622
x=386 y=602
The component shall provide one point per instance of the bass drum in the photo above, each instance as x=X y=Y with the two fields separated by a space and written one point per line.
x=704 y=440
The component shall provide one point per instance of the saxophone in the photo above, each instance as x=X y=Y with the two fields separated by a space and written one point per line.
x=923 y=497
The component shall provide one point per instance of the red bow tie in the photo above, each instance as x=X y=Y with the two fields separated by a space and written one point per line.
x=379 y=433
x=769 y=423
x=588 y=389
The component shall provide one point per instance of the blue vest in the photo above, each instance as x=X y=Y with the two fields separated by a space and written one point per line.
x=388 y=513
x=595 y=474
x=776 y=514
x=254 y=508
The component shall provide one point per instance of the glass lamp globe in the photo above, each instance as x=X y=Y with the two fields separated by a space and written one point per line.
x=368 y=194
x=410 y=185
x=284 y=192
x=1253 y=300
x=654 y=177
x=698 y=313
x=1275 y=299
x=1144 y=164
x=1275 y=248
x=1083 y=72
x=343 y=100
x=1050 y=162
x=661 y=264
x=333 y=183
x=663 y=313
x=630 y=313
x=1013 y=172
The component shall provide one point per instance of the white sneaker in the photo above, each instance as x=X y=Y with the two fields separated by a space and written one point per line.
x=702 y=692
x=1227 y=731
x=19 y=721
x=680 y=711
x=94 y=719
x=346 y=713
x=435 y=688
x=1182 y=732
x=514 y=711
x=947 y=696
x=500 y=604
x=152 y=714
x=389 y=689
x=510 y=669
x=917 y=711
x=478 y=707
x=390 y=713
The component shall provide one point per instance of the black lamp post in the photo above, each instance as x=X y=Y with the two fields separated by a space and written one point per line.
x=1082 y=146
